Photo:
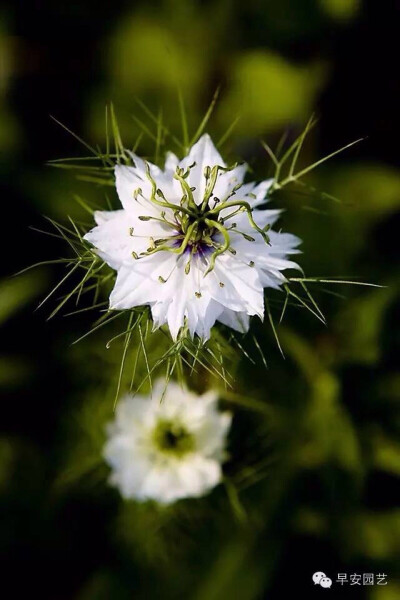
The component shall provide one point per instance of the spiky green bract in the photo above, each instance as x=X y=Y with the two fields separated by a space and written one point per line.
x=133 y=328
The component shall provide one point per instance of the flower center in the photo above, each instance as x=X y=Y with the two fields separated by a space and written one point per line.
x=173 y=439
x=195 y=225
x=200 y=236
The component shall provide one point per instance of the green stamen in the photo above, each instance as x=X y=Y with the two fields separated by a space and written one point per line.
x=173 y=439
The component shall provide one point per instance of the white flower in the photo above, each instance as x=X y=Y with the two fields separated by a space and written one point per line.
x=191 y=242
x=166 y=449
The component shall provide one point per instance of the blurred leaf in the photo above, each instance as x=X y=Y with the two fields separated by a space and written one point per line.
x=18 y=291
x=86 y=436
x=146 y=54
x=386 y=453
x=7 y=454
x=104 y=585
x=234 y=575
x=14 y=371
x=387 y=592
x=329 y=432
x=370 y=190
x=10 y=133
x=267 y=91
x=380 y=534
x=342 y=10
x=360 y=322
x=309 y=521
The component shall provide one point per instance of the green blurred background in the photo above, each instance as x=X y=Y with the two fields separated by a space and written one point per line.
x=314 y=448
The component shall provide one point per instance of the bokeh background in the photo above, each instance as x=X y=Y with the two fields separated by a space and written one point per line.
x=314 y=455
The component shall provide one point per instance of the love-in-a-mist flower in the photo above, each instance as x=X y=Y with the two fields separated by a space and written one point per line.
x=167 y=448
x=191 y=242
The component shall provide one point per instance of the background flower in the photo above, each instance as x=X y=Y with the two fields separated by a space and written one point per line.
x=167 y=448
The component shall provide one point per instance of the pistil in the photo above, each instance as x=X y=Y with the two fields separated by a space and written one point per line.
x=198 y=224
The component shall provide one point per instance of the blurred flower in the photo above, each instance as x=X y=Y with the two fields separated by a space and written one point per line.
x=166 y=448
x=191 y=242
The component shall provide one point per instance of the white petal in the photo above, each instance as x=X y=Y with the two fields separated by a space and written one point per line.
x=129 y=480
x=270 y=280
x=211 y=434
x=171 y=162
x=130 y=179
x=159 y=311
x=284 y=242
x=112 y=237
x=261 y=218
x=186 y=302
x=127 y=181
x=241 y=289
x=119 y=233
x=260 y=191
x=134 y=287
x=185 y=296
x=239 y=321
x=199 y=475
x=162 y=484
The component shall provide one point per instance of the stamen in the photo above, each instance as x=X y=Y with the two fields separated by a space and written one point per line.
x=137 y=192
x=160 y=202
x=211 y=181
x=233 y=192
x=176 y=250
x=222 y=248
x=246 y=206
x=187 y=190
x=162 y=280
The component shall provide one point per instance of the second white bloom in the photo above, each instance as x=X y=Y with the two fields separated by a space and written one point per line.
x=167 y=449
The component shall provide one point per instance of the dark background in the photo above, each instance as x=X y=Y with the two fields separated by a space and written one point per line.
x=332 y=515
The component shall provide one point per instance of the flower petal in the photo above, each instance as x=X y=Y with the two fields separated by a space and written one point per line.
x=139 y=284
x=239 y=321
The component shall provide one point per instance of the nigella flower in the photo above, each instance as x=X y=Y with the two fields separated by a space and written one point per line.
x=166 y=449
x=191 y=242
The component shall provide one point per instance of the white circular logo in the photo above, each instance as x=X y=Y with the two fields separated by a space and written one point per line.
x=325 y=582
x=318 y=575
x=319 y=578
